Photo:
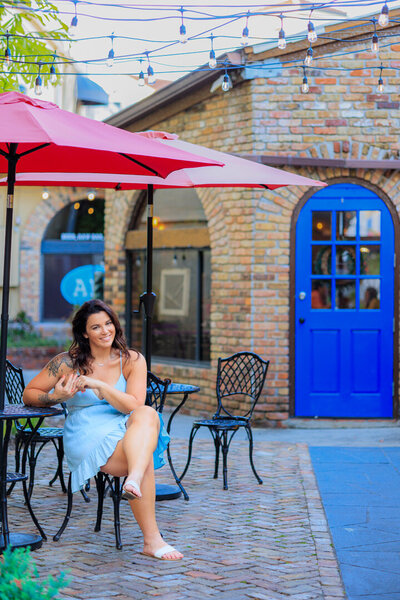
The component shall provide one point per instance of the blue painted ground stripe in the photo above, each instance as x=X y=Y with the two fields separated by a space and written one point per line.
x=360 y=491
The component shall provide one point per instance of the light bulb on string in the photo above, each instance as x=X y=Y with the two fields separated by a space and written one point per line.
x=141 y=81
x=110 y=58
x=305 y=88
x=226 y=82
x=38 y=82
x=384 y=16
x=375 y=44
x=74 y=22
x=245 y=33
x=374 y=39
x=7 y=52
x=53 y=72
x=182 y=30
x=45 y=194
x=309 y=57
x=311 y=35
x=151 y=78
x=281 y=37
x=212 y=63
x=379 y=88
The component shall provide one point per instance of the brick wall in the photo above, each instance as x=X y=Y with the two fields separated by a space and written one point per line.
x=250 y=231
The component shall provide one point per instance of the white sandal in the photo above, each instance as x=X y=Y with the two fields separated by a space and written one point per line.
x=130 y=495
x=161 y=552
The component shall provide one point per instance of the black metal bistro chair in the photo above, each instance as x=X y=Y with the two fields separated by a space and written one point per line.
x=109 y=485
x=15 y=385
x=239 y=377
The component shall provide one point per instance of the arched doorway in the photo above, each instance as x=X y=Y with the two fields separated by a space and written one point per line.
x=344 y=305
x=74 y=239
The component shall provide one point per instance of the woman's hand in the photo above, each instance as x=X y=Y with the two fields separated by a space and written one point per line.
x=84 y=382
x=66 y=387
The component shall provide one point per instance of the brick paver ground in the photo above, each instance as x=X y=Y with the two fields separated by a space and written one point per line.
x=268 y=542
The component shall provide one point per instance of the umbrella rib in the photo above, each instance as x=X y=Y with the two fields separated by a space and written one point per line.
x=33 y=149
x=141 y=164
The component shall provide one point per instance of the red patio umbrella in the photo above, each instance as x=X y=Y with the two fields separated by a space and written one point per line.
x=39 y=136
x=235 y=172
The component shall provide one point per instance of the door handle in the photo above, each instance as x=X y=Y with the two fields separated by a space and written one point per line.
x=302 y=320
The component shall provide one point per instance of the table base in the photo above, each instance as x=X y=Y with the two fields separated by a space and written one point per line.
x=22 y=540
x=167 y=492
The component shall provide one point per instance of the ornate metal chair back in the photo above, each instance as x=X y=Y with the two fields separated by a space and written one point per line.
x=15 y=386
x=242 y=374
x=156 y=391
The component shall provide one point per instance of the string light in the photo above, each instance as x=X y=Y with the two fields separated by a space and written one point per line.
x=91 y=195
x=384 y=16
x=110 y=59
x=309 y=57
x=212 y=63
x=45 y=194
x=141 y=75
x=151 y=78
x=74 y=22
x=281 y=37
x=305 y=88
x=53 y=72
x=226 y=82
x=375 y=40
x=38 y=82
x=380 y=82
x=7 y=53
x=182 y=30
x=312 y=35
x=245 y=33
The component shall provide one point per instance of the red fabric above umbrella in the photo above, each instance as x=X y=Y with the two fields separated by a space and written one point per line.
x=236 y=172
x=79 y=144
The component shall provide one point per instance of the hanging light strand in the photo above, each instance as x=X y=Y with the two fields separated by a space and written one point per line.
x=74 y=22
x=226 y=81
x=374 y=40
x=380 y=88
x=212 y=62
x=281 y=36
x=312 y=34
x=53 y=72
x=151 y=78
x=305 y=88
x=384 y=16
x=38 y=81
x=7 y=52
x=245 y=33
x=182 y=30
x=141 y=81
x=110 y=58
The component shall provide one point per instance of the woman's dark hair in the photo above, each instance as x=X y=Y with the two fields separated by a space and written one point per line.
x=79 y=350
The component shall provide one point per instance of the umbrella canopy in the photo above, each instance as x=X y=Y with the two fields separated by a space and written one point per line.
x=39 y=136
x=235 y=172
x=50 y=139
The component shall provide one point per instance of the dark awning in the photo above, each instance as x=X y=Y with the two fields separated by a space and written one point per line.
x=89 y=92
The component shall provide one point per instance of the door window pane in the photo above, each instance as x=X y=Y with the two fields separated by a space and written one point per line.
x=346 y=225
x=370 y=260
x=370 y=293
x=345 y=293
x=345 y=260
x=321 y=260
x=321 y=225
x=320 y=293
x=370 y=224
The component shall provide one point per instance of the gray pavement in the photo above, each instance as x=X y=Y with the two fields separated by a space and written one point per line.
x=357 y=471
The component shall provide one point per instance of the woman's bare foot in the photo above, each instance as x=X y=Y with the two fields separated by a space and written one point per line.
x=131 y=490
x=157 y=548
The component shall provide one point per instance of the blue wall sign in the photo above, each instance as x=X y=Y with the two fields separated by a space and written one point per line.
x=77 y=285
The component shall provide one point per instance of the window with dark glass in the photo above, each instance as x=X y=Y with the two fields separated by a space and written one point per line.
x=181 y=276
x=73 y=239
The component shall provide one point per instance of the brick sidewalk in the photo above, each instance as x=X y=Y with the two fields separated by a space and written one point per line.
x=264 y=542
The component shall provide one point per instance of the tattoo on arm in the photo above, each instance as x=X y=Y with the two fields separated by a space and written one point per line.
x=54 y=365
x=46 y=400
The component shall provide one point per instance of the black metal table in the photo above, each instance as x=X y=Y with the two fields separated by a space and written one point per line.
x=164 y=491
x=10 y=413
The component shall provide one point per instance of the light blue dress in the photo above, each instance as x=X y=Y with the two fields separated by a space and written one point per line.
x=91 y=432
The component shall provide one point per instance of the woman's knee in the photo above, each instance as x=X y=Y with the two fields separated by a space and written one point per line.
x=144 y=414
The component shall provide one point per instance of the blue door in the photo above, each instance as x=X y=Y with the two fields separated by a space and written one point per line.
x=344 y=305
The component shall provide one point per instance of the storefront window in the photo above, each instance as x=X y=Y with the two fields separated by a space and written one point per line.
x=72 y=258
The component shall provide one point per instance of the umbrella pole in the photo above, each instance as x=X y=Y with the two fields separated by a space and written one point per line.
x=149 y=297
x=12 y=164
